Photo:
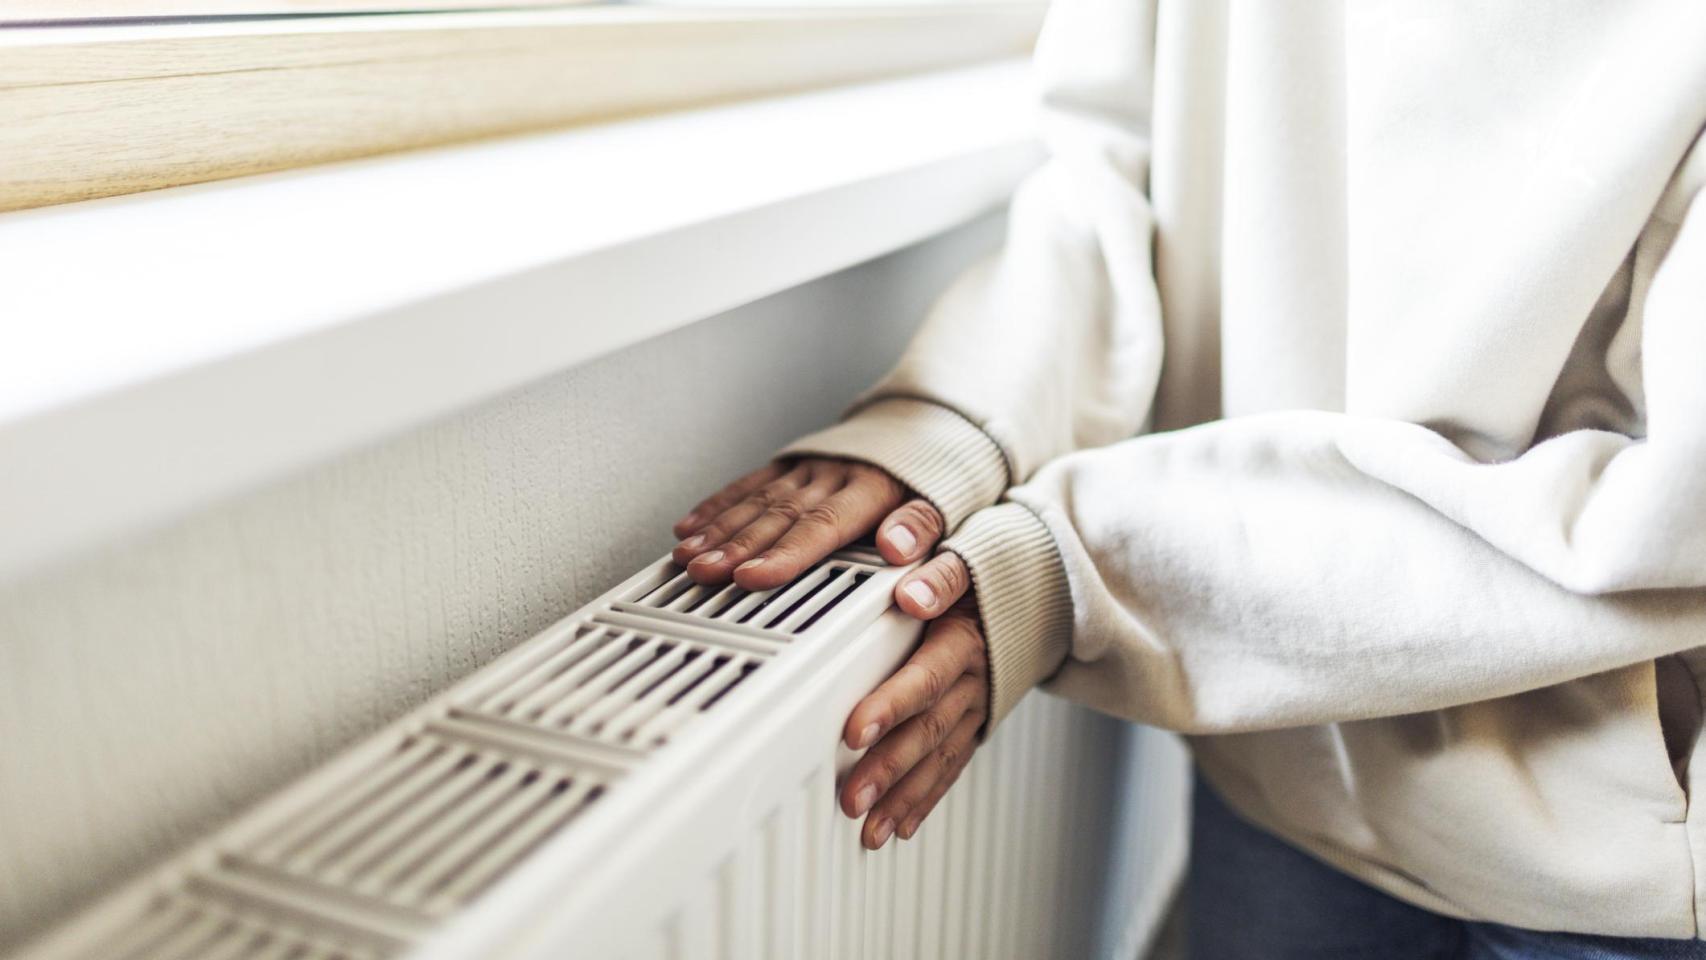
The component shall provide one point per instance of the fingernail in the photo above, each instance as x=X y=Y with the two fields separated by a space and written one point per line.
x=908 y=828
x=884 y=828
x=902 y=539
x=692 y=543
x=688 y=520
x=862 y=801
x=868 y=735
x=919 y=591
x=751 y=564
x=709 y=558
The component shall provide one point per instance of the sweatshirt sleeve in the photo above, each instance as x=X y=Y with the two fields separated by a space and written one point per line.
x=1064 y=322
x=1299 y=568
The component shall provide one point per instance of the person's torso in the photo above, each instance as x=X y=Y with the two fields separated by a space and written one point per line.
x=1441 y=213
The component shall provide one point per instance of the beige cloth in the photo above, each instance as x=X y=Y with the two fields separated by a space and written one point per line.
x=1347 y=365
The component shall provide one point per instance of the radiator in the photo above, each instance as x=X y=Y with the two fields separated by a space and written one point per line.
x=655 y=777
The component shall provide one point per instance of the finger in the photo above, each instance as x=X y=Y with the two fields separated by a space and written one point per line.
x=952 y=646
x=896 y=754
x=707 y=509
x=910 y=532
x=900 y=802
x=779 y=515
x=933 y=588
x=914 y=818
x=824 y=528
x=739 y=514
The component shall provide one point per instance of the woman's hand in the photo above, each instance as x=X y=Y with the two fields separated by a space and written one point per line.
x=922 y=724
x=767 y=527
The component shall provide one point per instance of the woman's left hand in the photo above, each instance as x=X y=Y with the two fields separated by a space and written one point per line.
x=922 y=724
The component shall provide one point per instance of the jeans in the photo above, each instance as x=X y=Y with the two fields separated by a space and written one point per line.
x=1251 y=896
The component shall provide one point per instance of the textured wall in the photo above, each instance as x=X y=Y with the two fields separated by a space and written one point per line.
x=151 y=691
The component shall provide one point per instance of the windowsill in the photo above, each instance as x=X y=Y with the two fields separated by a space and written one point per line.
x=166 y=349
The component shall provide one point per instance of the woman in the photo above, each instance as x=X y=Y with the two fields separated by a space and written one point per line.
x=1338 y=400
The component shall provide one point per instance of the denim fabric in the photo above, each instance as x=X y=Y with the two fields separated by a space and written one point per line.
x=1254 y=897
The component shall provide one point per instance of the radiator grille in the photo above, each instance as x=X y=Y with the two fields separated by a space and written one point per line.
x=426 y=828
x=730 y=844
x=614 y=685
x=364 y=858
x=787 y=610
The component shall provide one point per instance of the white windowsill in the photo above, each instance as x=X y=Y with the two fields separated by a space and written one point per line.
x=162 y=350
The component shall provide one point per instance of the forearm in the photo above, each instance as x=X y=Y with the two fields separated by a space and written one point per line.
x=1261 y=573
x=1053 y=344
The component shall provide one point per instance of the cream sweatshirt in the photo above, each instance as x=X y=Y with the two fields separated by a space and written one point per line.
x=1344 y=376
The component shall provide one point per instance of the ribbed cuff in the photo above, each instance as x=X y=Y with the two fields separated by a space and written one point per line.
x=928 y=447
x=1022 y=596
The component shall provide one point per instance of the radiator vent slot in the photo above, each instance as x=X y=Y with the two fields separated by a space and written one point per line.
x=617 y=686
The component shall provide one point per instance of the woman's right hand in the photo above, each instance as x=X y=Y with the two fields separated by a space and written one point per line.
x=770 y=525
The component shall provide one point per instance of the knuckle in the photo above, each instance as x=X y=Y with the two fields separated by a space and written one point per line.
x=953 y=573
x=922 y=679
x=940 y=583
x=742 y=543
x=948 y=755
x=926 y=518
x=934 y=728
x=888 y=770
x=934 y=683
x=786 y=509
x=824 y=514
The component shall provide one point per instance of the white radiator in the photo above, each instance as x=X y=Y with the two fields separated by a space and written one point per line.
x=655 y=777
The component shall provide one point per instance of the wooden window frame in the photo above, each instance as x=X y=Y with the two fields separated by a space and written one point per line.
x=98 y=110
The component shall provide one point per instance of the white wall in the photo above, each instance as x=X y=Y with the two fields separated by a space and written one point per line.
x=154 y=689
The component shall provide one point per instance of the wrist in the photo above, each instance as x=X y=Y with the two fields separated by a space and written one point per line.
x=1024 y=599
